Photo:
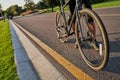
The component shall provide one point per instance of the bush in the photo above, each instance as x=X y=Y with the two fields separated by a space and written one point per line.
x=97 y=1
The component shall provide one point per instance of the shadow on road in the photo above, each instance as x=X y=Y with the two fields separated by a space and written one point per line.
x=113 y=65
x=115 y=45
x=72 y=40
x=114 y=59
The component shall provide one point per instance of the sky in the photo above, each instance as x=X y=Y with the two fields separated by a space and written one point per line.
x=7 y=3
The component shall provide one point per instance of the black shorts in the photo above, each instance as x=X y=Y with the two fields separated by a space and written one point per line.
x=71 y=6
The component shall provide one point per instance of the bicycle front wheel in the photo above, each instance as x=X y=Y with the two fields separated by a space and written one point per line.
x=94 y=48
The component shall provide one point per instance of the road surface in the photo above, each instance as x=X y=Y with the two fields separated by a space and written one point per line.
x=43 y=27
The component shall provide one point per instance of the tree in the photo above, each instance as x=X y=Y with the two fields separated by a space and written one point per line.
x=51 y=3
x=1 y=11
x=41 y=5
x=28 y=1
x=97 y=1
x=29 y=5
x=14 y=10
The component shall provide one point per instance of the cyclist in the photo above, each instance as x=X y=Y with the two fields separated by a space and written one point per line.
x=71 y=7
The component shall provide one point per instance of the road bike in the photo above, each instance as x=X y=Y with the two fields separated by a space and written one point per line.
x=94 y=58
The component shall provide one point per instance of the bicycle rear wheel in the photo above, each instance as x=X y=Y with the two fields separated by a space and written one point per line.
x=60 y=27
x=95 y=58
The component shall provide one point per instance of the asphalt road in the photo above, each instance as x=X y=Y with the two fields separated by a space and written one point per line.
x=43 y=27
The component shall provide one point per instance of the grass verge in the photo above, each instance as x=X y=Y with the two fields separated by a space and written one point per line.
x=7 y=64
x=107 y=3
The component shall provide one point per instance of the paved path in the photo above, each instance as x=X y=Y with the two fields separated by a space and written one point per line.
x=43 y=27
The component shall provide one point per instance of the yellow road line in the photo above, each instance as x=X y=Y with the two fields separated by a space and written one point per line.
x=109 y=14
x=76 y=72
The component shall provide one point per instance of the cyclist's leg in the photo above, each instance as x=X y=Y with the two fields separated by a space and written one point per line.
x=91 y=24
x=71 y=7
x=87 y=3
x=90 y=20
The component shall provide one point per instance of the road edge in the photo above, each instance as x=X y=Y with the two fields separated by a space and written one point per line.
x=25 y=53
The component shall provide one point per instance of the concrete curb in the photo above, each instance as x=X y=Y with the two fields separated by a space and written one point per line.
x=26 y=53
x=24 y=68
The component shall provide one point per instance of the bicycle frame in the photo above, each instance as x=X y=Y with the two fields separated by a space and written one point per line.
x=75 y=14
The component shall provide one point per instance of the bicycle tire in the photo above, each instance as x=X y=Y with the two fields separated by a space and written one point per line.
x=85 y=46
x=60 y=28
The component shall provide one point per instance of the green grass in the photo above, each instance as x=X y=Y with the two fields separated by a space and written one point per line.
x=7 y=64
x=108 y=3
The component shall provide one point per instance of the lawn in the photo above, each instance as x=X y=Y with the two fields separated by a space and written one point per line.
x=7 y=64
x=107 y=3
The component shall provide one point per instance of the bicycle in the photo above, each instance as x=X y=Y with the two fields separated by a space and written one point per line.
x=95 y=59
